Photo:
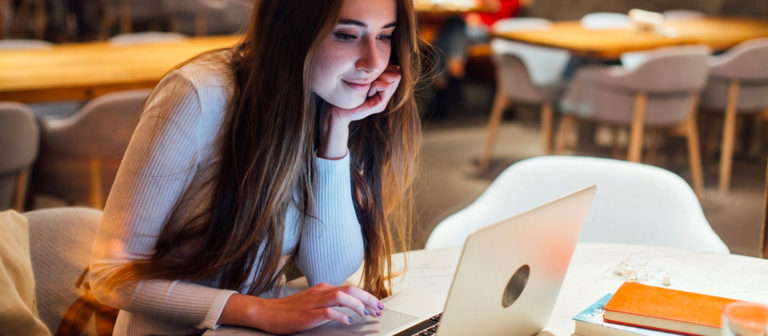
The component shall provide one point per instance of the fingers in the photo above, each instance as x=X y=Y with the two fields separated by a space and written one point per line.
x=331 y=314
x=371 y=303
x=338 y=297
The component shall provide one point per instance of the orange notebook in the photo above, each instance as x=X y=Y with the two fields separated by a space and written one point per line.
x=666 y=309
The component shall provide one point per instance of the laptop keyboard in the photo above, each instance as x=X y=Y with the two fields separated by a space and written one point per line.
x=427 y=327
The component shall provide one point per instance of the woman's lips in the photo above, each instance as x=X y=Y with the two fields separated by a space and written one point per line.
x=356 y=86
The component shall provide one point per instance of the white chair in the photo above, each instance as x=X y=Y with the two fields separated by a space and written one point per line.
x=60 y=249
x=19 y=138
x=524 y=74
x=634 y=203
x=605 y=20
x=146 y=37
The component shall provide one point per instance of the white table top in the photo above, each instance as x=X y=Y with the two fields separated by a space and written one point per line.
x=589 y=277
x=423 y=289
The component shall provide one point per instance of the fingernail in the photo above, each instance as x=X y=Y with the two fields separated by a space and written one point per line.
x=366 y=312
x=380 y=305
x=349 y=318
x=378 y=314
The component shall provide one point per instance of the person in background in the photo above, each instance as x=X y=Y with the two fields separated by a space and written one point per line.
x=298 y=145
x=453 y=41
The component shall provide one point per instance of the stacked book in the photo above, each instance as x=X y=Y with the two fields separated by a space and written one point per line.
x=637 y=309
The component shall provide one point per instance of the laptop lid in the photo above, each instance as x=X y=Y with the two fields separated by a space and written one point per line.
x=510 y=273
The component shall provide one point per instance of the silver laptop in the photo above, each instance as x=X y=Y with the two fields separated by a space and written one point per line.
x=506 y=282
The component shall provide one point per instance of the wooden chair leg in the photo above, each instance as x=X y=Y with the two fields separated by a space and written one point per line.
x=694 y=151
x=653 y=144
x=125 y=16
x=201 y=25
x=566 y=123
x=2 y=19
x=40 y=19
x=729 y=135
x=499 y=103
x=20 y=191
x=764 y=231
x=546 y=127
x=636 y=133
x=95 y=193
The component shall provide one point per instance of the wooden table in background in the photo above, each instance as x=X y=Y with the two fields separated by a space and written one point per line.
x=81 y=71
x=718 y=33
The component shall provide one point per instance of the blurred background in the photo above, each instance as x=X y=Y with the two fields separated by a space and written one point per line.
x=678 y=84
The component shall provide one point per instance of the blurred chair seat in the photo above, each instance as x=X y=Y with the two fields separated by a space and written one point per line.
x=146 y=37
x=79 y=155
x=60 y=248
x=605 y=20
x=682 y=14
x=634 y=203
x=662 y=92
x=524 y=74
x=13 y=44
x=19 y=136
x=738 y=84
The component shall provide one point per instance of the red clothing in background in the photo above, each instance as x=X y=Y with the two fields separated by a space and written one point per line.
x=507 y=8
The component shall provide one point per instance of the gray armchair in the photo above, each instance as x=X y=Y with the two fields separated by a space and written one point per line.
x=60 y=246
x=738 y=84
x=77 y=153
x=524 y=74
x=18 y=149
x=660 y=93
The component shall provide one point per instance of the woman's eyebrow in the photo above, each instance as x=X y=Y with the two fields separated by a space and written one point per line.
x=363 y=24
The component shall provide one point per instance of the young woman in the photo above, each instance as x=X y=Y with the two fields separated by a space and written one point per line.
x=300 y=143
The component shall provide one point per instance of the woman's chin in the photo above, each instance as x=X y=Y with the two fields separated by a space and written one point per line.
x=348 y=103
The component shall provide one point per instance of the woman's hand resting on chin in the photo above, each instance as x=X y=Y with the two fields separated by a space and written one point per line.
x=335 y=128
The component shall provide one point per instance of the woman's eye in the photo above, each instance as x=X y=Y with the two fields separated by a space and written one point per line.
x=385 y=37
x=342 y=36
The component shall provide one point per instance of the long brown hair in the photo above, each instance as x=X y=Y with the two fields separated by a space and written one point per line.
x=267 y=157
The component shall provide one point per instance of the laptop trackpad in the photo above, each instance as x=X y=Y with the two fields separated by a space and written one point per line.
x=389 y=320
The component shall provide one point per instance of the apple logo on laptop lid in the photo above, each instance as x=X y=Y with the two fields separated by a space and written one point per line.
x=515 y=286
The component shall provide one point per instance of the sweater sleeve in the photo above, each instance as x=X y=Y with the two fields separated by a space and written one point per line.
x=156 y=170
x=331 y=241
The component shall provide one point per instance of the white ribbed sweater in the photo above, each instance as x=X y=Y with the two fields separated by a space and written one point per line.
x=162 y=181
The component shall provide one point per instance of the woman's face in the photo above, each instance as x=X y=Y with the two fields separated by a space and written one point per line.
x=355 y=53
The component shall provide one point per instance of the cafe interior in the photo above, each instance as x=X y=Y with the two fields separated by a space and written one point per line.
x=663 y=104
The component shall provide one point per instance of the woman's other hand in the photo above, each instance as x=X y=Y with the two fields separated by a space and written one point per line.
x=303 y=310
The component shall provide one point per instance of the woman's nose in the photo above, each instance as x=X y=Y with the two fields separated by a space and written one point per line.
x=371 y=58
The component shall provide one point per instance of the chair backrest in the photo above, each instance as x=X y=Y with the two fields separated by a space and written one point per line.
x=61 y=240
x=13 y=44
x=682 y=14
x=605 y=20
x=102 y=128
x=669 y=69
x=544 y=65
x=634 y=203
x=146 y=37
x=747 y=61
x=19 y=136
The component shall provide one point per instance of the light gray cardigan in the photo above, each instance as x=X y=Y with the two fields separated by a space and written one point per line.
x=162 y=181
